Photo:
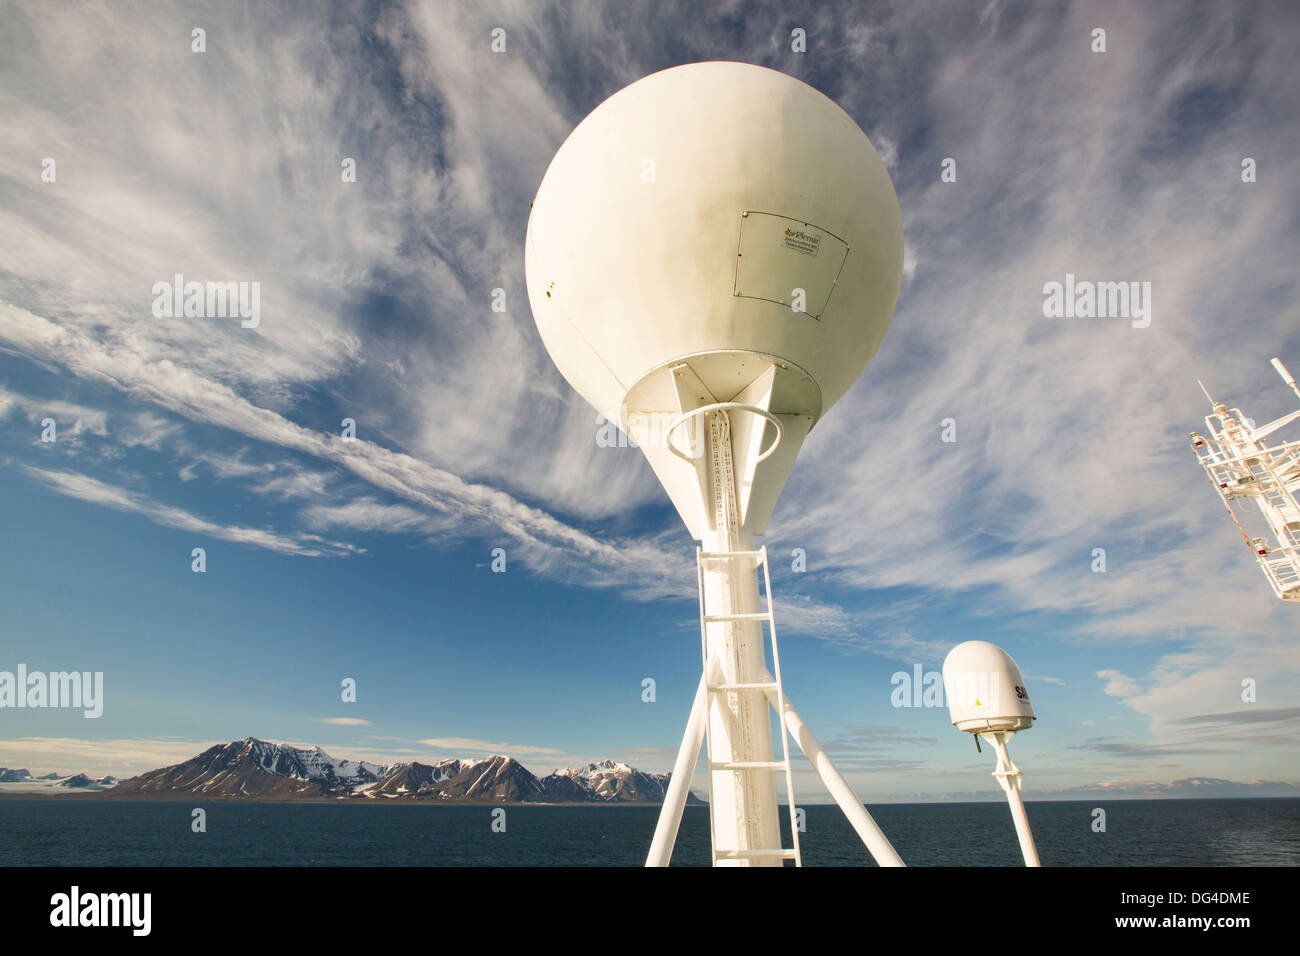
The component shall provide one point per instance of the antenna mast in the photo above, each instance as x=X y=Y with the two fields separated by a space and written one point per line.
x=1243 y=466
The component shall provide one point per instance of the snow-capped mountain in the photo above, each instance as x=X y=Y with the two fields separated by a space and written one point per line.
x=607 y=781
x=259 y=768
x=314 y=764
x=20 y=780
x=78 y=781
x=497 y=779
x=409 y=779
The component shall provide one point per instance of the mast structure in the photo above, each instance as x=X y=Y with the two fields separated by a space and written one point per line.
x=1009 y=778
x=738 y=690
x=988 y=699
x=691 y=260
x=1243 y=467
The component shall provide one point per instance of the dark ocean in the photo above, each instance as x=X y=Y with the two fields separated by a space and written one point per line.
x=78 y=832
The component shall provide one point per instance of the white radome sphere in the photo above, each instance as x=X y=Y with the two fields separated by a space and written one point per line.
x=682 y=216
x=985 y=689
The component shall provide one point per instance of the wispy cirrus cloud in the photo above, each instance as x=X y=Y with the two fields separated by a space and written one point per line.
x=1010 y=511
x=1265 y=715
x=85 y=488
x=71 y=419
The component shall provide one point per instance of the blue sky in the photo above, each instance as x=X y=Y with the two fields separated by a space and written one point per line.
x=371 y=559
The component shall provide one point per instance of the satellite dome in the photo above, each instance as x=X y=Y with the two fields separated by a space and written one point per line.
x=985 y=690
x=715 y=212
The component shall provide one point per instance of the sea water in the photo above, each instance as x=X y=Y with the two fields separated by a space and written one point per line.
x=103 y=832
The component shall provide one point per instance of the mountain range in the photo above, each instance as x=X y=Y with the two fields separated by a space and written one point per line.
x=260 y=769
x=76 y=781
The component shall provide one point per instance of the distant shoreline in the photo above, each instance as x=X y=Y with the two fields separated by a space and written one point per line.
x=325 y=801
x=102 y=795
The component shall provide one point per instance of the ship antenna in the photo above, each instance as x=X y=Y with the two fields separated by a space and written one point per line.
x=717 y=346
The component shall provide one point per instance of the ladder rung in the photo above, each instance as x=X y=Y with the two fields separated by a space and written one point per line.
x=741 y=616
x=754 y=855
x=748 y=765
x=762 y=685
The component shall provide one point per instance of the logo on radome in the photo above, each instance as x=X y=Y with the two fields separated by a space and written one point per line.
x=806 y=242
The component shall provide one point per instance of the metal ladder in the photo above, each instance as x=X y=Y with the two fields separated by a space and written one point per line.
x=763 y=687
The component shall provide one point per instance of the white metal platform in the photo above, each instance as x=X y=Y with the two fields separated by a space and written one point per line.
x=1243 y=467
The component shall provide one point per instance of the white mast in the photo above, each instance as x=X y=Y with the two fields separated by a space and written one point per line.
x=987 y=697
x=1244 y=467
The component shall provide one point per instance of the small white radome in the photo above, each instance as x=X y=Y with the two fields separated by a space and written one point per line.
x=985 y=690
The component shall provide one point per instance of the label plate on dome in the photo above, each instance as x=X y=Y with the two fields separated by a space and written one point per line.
x=787 y=261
